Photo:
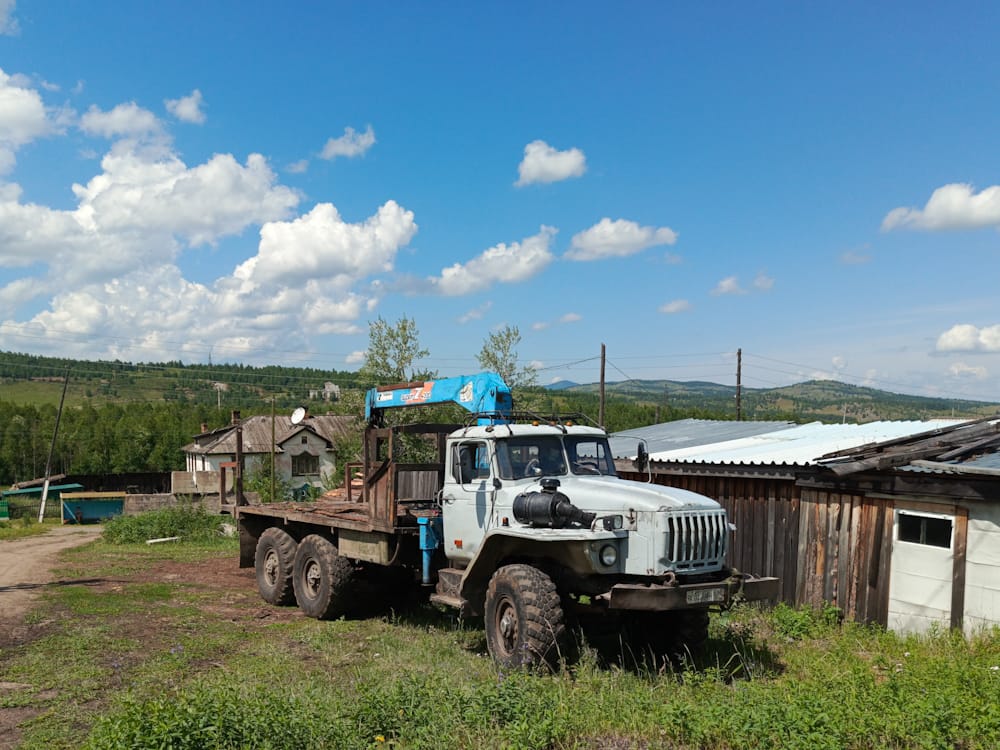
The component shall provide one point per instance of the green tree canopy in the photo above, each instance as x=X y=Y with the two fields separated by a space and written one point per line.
x=499 y=354
x=392 y=350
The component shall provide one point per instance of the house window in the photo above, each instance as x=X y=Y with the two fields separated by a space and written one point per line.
x=919 y=528
x=305 y=464
x=305 y=440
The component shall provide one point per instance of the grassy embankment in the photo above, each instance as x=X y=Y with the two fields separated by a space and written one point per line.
x=151 y=651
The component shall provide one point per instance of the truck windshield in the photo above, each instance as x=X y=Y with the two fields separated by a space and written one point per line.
x=589 y=455
x=521 y=457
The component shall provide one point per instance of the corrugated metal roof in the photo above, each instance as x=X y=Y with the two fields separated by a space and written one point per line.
x=798 y=445
x=684 y=433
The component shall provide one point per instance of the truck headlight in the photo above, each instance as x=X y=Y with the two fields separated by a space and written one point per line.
x=609 y=555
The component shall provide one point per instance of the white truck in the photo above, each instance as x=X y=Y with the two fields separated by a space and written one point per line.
x=522 y=521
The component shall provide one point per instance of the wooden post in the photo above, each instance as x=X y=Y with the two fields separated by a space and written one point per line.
x=238 y=477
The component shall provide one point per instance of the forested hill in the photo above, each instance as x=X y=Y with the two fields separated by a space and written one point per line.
x=125 y=417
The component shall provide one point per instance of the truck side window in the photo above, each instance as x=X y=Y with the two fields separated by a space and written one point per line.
x=470 y=463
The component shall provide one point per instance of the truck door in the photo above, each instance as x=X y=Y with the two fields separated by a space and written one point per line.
x=467 y=498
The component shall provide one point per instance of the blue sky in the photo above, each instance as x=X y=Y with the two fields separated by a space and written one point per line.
x=815 y=184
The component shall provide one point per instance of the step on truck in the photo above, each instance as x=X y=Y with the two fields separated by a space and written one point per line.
x=519 y=520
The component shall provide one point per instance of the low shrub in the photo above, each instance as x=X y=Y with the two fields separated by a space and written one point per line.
x=190 y=523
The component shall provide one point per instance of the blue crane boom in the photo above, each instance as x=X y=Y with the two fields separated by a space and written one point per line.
x=485 y=393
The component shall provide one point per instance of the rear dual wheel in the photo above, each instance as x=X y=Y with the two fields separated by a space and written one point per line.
x=273 y=563
x=321 y=578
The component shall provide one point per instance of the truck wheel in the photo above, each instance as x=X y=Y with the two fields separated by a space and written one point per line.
x=321 y=578
x=273 y=563
x=524 y=618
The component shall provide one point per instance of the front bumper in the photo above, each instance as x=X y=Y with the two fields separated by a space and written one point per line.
x=659 y=597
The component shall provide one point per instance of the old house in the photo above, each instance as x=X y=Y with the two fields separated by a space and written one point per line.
x=304 y=452
x=896 y=523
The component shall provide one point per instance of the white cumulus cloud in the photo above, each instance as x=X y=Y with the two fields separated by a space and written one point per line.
x=187 y=108
x=356 y=357
x=501 y=263
x=8 y=24
x=728 y=285
x=675 y=306
x=23 y=118
x=475 y=313
x=542 y=163
x=320 y=245
x=969 y=338
x=127 y=120
x=105 y=271
x=962 y=370
x=350 y=144
x=954 y=206
x=762 y=282
x=609 y=239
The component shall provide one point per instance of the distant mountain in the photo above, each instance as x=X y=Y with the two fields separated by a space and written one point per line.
x=561 y=385
x=823 y=400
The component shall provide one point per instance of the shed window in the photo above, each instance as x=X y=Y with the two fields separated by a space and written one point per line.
x=917 y=528
x=305 y=464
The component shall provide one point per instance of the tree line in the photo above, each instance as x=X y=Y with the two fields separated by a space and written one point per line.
x=138 y=417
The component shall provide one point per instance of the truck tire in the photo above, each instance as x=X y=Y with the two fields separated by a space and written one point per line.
x=273 y=563
x=321 y=578
x=524 y=618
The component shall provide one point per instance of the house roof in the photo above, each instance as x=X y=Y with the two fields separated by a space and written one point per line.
x=790 y=445
x=257 y=433
x=685 y=433
x=971 y=447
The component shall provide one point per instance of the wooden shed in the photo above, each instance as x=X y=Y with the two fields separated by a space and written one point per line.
x=897 y=523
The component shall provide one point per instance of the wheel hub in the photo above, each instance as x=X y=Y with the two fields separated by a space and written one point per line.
x=271 y=567
x=507 y=625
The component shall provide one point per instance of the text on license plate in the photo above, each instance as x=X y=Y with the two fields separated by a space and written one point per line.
x=706 y=596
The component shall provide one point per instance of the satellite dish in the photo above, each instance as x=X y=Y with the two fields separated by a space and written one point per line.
x=298 y=415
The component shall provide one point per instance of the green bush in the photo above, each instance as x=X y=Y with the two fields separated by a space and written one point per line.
x=190 y=523
x=217 y=716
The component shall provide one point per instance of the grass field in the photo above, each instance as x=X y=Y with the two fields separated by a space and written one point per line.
x=169 y=646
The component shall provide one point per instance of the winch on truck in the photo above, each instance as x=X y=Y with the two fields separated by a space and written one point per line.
x=520 y=520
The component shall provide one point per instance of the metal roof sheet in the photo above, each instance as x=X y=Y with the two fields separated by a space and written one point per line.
x=799 y=445
x=684 y=433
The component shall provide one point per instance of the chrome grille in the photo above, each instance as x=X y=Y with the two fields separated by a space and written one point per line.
x=696 y=539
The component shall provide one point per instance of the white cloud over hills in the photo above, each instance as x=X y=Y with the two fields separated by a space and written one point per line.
x=970 y=338
x=106 y=270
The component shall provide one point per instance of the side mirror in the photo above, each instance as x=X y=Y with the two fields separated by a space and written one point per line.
x=641 y=458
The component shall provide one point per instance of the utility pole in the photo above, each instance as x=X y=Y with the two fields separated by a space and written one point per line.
x=272 y=449
x=238 y=479
x=52 y=447
x=739 y=386
x=600 y=417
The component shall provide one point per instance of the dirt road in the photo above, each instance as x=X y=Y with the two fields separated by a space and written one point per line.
x=26 y=565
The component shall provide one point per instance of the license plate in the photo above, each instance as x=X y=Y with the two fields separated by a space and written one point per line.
x=706 y=596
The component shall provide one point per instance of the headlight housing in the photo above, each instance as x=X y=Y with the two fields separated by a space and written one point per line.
x=608 y=555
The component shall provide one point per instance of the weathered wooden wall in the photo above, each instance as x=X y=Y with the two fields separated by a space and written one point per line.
x=844 y=551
